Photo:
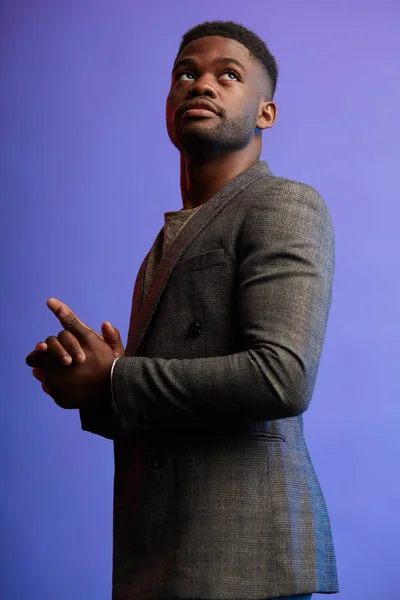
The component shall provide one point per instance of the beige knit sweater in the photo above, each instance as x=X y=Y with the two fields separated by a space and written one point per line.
x=174 y=221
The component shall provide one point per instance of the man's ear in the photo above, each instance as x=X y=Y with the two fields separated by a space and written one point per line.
x=267 y=116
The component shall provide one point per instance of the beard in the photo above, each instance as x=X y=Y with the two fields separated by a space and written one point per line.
x=226 y=136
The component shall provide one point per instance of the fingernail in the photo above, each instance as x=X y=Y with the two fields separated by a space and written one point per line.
x=66 y=360
x=80 y=357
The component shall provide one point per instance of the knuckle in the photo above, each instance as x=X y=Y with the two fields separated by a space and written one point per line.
x=71 y=319
x=63 y=310
x=64 y=337
x=66 y=315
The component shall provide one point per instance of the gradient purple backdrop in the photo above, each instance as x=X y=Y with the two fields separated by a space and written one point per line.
x=83 y=87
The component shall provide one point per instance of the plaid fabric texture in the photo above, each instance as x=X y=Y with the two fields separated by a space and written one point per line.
x=216 y=497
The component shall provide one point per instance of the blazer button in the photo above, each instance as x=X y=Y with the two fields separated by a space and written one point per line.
x=194 y=329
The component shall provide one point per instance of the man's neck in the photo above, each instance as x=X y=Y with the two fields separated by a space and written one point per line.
x=202 y=179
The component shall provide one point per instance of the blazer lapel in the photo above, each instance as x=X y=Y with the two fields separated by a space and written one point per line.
x=138 y=295
x=143 y=306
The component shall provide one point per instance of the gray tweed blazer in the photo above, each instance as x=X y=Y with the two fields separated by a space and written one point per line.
x=215 y=495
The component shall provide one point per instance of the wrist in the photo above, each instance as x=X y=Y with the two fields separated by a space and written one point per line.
x=105 y=396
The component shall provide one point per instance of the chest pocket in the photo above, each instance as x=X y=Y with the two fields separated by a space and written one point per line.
x=199 y=261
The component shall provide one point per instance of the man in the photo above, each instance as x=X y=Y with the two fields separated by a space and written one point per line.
x=215 y=494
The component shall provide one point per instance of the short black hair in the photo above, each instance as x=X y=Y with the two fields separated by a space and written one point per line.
x=235 y=31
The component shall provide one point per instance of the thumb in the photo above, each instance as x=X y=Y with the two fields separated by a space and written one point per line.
x=112 y=337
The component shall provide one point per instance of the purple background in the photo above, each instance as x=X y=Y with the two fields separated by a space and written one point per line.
x=87 y=171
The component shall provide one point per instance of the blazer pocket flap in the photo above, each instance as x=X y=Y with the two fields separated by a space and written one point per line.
x=199 y=261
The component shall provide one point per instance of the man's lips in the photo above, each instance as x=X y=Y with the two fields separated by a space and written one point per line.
x=198 y=112
x=199 y=108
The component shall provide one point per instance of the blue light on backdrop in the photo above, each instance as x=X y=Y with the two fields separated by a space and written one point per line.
x=83 y=87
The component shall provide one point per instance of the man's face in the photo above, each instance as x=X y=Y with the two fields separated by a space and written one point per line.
x=214 y=74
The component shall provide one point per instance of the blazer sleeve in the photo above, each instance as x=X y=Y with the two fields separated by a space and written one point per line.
x=285 y=268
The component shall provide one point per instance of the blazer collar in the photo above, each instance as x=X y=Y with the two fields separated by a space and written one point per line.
x=144 y=305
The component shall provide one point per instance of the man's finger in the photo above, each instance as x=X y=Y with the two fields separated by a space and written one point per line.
x=46 y=389
x=39 y=375
x=39 y=358
x=68 y=319
x=112 y=337
x=57 y=351
x=71 y=345
x=39 y=361
x=32 y=357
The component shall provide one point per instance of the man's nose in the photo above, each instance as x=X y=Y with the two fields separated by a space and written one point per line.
x=201 y=87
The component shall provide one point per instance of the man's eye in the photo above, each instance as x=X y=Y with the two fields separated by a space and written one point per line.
x=229 y=73
x=188 y=76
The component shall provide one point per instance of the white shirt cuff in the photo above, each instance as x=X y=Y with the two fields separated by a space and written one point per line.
x=112 y=385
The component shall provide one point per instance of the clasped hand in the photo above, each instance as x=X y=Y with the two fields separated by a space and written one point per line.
x=74 y=367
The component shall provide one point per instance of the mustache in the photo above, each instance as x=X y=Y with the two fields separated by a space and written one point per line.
x=200 y=103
